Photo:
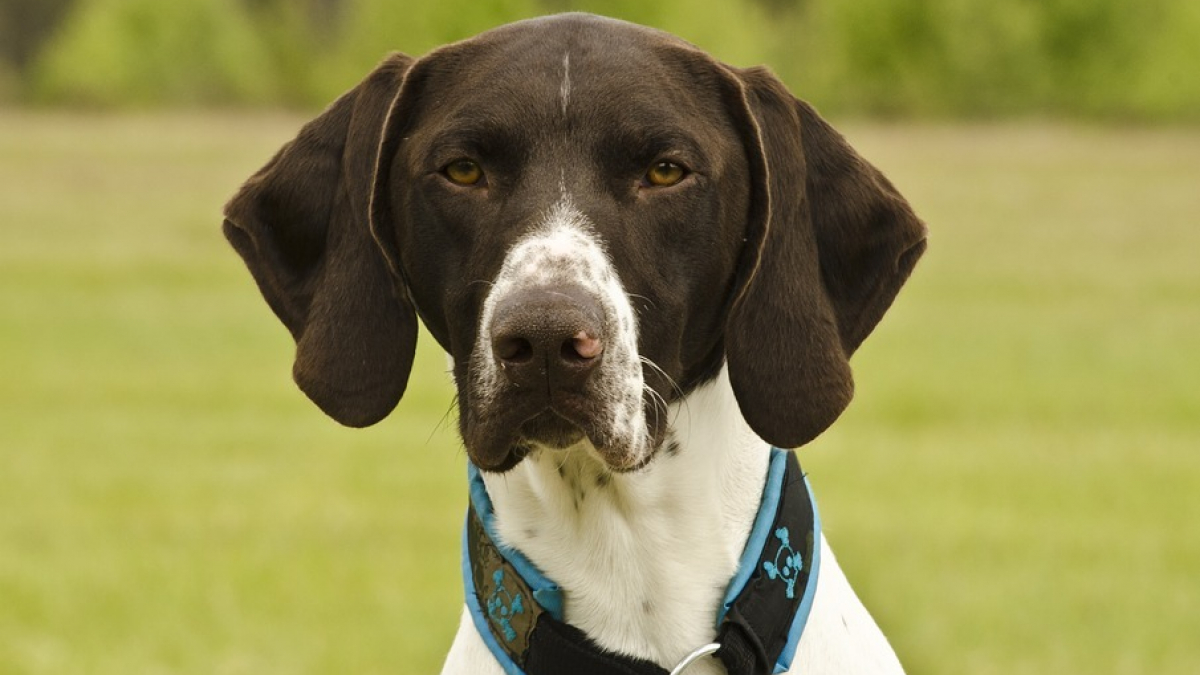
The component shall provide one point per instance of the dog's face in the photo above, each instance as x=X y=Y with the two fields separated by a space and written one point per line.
x=579 y=215
x=591 y=218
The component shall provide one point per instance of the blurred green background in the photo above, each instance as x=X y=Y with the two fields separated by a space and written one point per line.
x=1109 y=59
x=1016 y=488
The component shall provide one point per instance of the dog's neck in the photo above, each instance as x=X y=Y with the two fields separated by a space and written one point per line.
x=644 y=558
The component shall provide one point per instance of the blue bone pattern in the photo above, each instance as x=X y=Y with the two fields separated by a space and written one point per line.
x=502 y=605
x=787 y=564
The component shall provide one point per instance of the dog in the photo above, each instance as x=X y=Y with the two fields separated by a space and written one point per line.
x=647 y=267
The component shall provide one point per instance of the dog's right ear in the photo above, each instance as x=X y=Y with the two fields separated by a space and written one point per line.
x=301 y=225
x=829 y=243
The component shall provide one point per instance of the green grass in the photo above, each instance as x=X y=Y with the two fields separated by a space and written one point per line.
x=1014 y=490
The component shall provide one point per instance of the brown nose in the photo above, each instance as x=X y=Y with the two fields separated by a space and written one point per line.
x=548 y=337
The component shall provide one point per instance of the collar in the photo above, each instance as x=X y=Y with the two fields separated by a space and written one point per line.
x=518 y=611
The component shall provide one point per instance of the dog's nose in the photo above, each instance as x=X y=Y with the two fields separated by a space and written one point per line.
x=548 y=338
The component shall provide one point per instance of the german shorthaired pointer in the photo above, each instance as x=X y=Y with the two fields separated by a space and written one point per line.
x=648 y=268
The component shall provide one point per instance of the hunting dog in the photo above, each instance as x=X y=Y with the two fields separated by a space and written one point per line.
x=647 y=267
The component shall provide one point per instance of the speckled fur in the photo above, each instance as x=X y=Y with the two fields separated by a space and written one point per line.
x=563 y=251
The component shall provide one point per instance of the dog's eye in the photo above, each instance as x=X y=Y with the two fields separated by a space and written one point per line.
x=463 y=172
x=665 y=174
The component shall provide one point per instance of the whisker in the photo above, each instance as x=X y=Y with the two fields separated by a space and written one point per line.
x=642 y=297
x=678 y=391
x=670 y=380
x=563 y=456
x=443 y=422
x=658 y=400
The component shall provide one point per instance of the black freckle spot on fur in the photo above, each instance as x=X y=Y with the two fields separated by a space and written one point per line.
x=672 y=448
x=562 y=472
x=647 y=607
x=560 y=265
x=531 y=533
x=603 y=479
x=582 y=493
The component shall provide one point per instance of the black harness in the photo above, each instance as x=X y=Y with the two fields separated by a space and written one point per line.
x=519 y=612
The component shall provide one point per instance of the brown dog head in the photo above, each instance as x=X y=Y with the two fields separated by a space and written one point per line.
x=592 y=218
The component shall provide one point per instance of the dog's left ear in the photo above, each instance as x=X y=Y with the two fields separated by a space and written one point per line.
x=302 y=226
x=829 y=244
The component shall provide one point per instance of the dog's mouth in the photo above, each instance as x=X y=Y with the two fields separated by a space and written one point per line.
x=552 y=430
x=527 y=424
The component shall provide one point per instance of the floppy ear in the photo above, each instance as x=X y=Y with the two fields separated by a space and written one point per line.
x=824 y=258
x=301 y=225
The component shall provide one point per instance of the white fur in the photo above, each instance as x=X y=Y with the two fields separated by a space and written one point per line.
x=564 y=89
x=670 y=533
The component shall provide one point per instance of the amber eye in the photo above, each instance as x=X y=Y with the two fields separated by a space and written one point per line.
x=463 y=172
x=665 y=174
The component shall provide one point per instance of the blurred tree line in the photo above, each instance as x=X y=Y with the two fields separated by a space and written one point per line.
x=1123 y=59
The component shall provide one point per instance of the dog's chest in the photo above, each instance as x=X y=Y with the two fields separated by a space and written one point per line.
x=643 y=561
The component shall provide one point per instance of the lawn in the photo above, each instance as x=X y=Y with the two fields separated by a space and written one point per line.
x=1016 y=488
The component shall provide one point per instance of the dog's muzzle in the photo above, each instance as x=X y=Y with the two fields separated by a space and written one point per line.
x=555 y=364
x=548 y=343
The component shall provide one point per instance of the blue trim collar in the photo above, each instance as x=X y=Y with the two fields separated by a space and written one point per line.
x=495 y=616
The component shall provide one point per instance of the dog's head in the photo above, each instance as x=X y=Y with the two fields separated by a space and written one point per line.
x=592 y=218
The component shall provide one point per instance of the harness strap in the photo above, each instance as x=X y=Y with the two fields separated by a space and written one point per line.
x=559 y=648
x=763 y=621
x=518 y=611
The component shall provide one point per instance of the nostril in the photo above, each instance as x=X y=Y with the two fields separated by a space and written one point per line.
x=513 y=350
x=582 y=347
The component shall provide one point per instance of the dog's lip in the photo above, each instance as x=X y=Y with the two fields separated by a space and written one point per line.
x=502 y=443
x=495 y=442
x=498 y=442
x=551 y=428
x=503 y=462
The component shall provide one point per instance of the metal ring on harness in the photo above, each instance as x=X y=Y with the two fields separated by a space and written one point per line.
x=695 y=656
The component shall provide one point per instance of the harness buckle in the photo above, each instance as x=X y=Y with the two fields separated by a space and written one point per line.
x=690 y=659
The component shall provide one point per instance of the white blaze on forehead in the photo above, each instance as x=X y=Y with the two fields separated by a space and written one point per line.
x=564 y=89
x=563 y=251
